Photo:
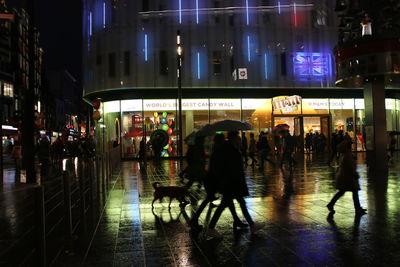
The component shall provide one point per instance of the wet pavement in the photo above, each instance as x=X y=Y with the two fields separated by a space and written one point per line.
x=298 y=230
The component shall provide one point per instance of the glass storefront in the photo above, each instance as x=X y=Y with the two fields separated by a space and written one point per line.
x=127 y=122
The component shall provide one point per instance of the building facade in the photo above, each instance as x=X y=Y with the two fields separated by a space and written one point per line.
x=242 y=60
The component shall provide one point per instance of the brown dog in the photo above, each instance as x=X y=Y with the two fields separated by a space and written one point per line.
x=177 y=192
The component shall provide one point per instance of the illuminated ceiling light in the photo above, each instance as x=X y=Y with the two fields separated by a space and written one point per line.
x=279 y=7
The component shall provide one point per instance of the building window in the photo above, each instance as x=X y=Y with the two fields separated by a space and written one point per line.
x=8 y=89
x=217 y=60
x=111 y=65
x=163 y=62
x=127 y=63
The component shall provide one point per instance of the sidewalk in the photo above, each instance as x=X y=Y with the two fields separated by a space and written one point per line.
x=297 y=230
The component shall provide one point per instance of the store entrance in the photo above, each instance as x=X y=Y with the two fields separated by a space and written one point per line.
x=300 y=126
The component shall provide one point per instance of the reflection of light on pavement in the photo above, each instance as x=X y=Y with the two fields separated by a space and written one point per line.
x=64 y=164
x=76 y=165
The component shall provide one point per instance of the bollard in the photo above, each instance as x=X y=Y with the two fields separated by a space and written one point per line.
x=40 y=225
x=67 y=211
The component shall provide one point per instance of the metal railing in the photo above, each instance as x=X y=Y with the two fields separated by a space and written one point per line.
x=57 y=217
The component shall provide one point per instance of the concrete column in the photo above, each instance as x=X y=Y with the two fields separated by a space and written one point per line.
x=375 y=118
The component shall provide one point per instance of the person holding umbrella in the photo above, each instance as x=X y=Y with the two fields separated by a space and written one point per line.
x=230 y=181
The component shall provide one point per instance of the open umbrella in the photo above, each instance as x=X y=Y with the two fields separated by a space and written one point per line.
x=225 y=125
x=279 y=128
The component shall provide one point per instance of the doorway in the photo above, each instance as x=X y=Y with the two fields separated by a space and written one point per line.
x=301 y=125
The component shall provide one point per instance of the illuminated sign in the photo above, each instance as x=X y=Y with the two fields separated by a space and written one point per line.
x=286 y=103
x=311 y=64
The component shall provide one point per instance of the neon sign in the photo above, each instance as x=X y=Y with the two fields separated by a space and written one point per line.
x=311 y=64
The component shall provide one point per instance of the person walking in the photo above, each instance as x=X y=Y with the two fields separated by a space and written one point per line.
x=252 y=150
x=16 y=155
x=347 y=179
x=156 y=145
x=244 y=148
x=43 y=153
x=231 y=183
x=212 y=188
x=264 y=150
x=289 y=145
x=196 y=160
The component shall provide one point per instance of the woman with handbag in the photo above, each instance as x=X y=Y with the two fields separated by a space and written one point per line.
x=347 y=178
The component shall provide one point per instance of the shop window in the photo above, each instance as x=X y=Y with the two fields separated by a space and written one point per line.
x=8 y=90
x=111 y=65
x=127 y=64
x=163 y=62
x=217 y=62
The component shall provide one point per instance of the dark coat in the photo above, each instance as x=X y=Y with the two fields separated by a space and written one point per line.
x=347 y=176
x=196 y=159
x=226 y=170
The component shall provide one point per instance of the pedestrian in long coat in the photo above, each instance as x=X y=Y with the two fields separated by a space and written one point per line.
x=347 y=178
x=231 y=182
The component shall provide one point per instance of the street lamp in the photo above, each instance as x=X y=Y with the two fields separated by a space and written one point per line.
x=179 y=52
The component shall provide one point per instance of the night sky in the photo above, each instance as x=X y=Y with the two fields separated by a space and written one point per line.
x=60 y=26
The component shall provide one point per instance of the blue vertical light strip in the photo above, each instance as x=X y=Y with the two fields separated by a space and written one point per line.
x=145 y=48
x=279 y=7
x=248 y=48
x=180 y=11
x=197 y=11
x=90 y=23
x=198 y=65
x=265 y=66
x=247 y=12
x=104 y=15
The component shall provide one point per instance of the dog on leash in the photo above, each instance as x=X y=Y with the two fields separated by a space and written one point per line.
x=173 y=192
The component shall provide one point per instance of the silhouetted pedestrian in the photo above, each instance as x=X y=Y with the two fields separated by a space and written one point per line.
x=252 y=150
x=347 y=179
x=157 y=147
x=264 y=151
x=196 y=159
x=16 y=155
x=230 y=182
x=211 y=187
x=43 y=153
x=244 y=147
